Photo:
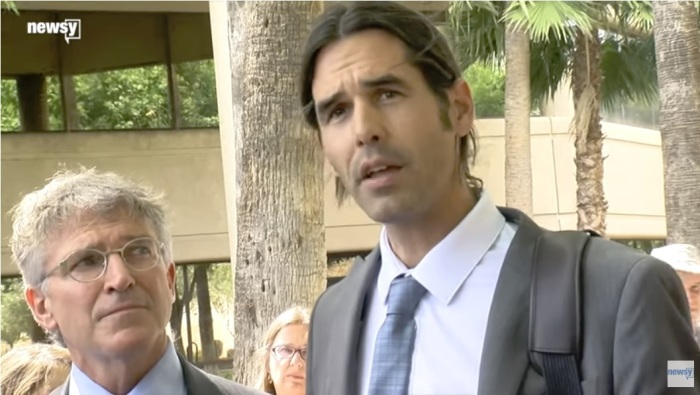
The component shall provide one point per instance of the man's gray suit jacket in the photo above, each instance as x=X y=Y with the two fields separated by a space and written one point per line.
x=197 y=382
x=635 y=319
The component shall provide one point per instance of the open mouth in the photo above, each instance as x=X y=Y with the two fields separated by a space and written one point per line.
x=381 y=171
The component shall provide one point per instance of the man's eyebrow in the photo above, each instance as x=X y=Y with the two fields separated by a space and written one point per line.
x=100 y=244
x=383 y=80
x=324 y=105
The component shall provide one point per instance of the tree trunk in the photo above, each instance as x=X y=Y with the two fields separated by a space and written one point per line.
x=517 y=119
x=33 y=103
x=586 y=80
x=206 y=327
x=279 y=235
x=678 y=69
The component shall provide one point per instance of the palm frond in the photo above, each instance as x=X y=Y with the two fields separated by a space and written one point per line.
x=550 y=63
x=629 y=72
x=546 y=19
x=10 y=5
x=477 y=33
x=631 y=19
x=627 y=58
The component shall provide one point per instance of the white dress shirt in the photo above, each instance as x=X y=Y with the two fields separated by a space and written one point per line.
x=460 y=274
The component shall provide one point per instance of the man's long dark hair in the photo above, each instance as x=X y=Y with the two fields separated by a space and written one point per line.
x=428 y=50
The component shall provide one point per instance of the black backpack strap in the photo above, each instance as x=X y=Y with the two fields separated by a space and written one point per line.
x=555 y=309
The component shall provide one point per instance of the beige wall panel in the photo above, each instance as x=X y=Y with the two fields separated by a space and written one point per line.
x=187 y=165
x=352 y=237
x=638 y=190
x=544 y=191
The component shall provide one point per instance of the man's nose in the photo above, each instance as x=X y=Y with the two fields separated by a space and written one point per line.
x=118 y=276
x=367 y=124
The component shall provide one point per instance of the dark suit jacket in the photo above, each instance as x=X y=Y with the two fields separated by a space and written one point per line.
x=635 y=318
x=197 y=382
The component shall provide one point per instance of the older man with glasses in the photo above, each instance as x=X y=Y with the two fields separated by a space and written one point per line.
x=95 y=255
x=685 y=258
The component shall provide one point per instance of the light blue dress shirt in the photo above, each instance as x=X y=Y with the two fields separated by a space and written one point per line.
x=460 y=274
x=164 y=378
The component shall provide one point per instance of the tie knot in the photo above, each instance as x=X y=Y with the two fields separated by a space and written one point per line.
x=404 y=295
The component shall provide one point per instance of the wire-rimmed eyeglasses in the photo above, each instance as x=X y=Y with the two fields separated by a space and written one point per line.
x=89 y=264
x=287 y=352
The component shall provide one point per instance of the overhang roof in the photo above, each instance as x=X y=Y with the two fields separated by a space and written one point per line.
x=117 y=35
x=109 y=41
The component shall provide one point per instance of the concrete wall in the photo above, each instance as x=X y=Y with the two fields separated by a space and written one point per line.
x=187 y=165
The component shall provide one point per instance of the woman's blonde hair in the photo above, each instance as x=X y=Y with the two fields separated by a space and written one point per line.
x=292 y=316
x=31 y=368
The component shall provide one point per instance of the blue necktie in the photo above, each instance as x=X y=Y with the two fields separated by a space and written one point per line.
x=393 y=350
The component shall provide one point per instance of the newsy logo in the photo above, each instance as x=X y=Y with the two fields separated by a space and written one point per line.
x=681 y=373
x=70 y=28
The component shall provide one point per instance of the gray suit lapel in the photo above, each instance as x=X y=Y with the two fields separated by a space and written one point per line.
x=348 y=321
x=196 y=382
x=505 y=358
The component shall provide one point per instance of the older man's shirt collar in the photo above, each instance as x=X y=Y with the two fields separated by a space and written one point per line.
x=165 y=377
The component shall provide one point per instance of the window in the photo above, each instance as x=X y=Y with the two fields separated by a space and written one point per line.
x=201 y=323
x=196 y=87
x=135 y=98
x=145 y=70
x=42 y=99
x=9 y=118
x=18 y=325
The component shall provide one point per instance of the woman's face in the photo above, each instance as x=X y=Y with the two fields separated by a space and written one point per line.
x=288 y=360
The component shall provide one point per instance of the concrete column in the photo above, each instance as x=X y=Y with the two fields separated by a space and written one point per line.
x=33 y=105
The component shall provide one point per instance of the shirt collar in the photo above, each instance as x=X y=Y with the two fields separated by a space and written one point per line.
x=165 y=377
x=445 y=268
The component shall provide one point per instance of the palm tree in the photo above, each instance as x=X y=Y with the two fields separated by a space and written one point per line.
x=678 y=61
x=517 y=118
x=604 y=47
x=279 y=237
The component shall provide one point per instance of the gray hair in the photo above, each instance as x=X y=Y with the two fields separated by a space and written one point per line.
x=69 y=194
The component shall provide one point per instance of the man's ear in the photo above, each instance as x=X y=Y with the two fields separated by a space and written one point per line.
x=40 y=306
x=461 y=107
